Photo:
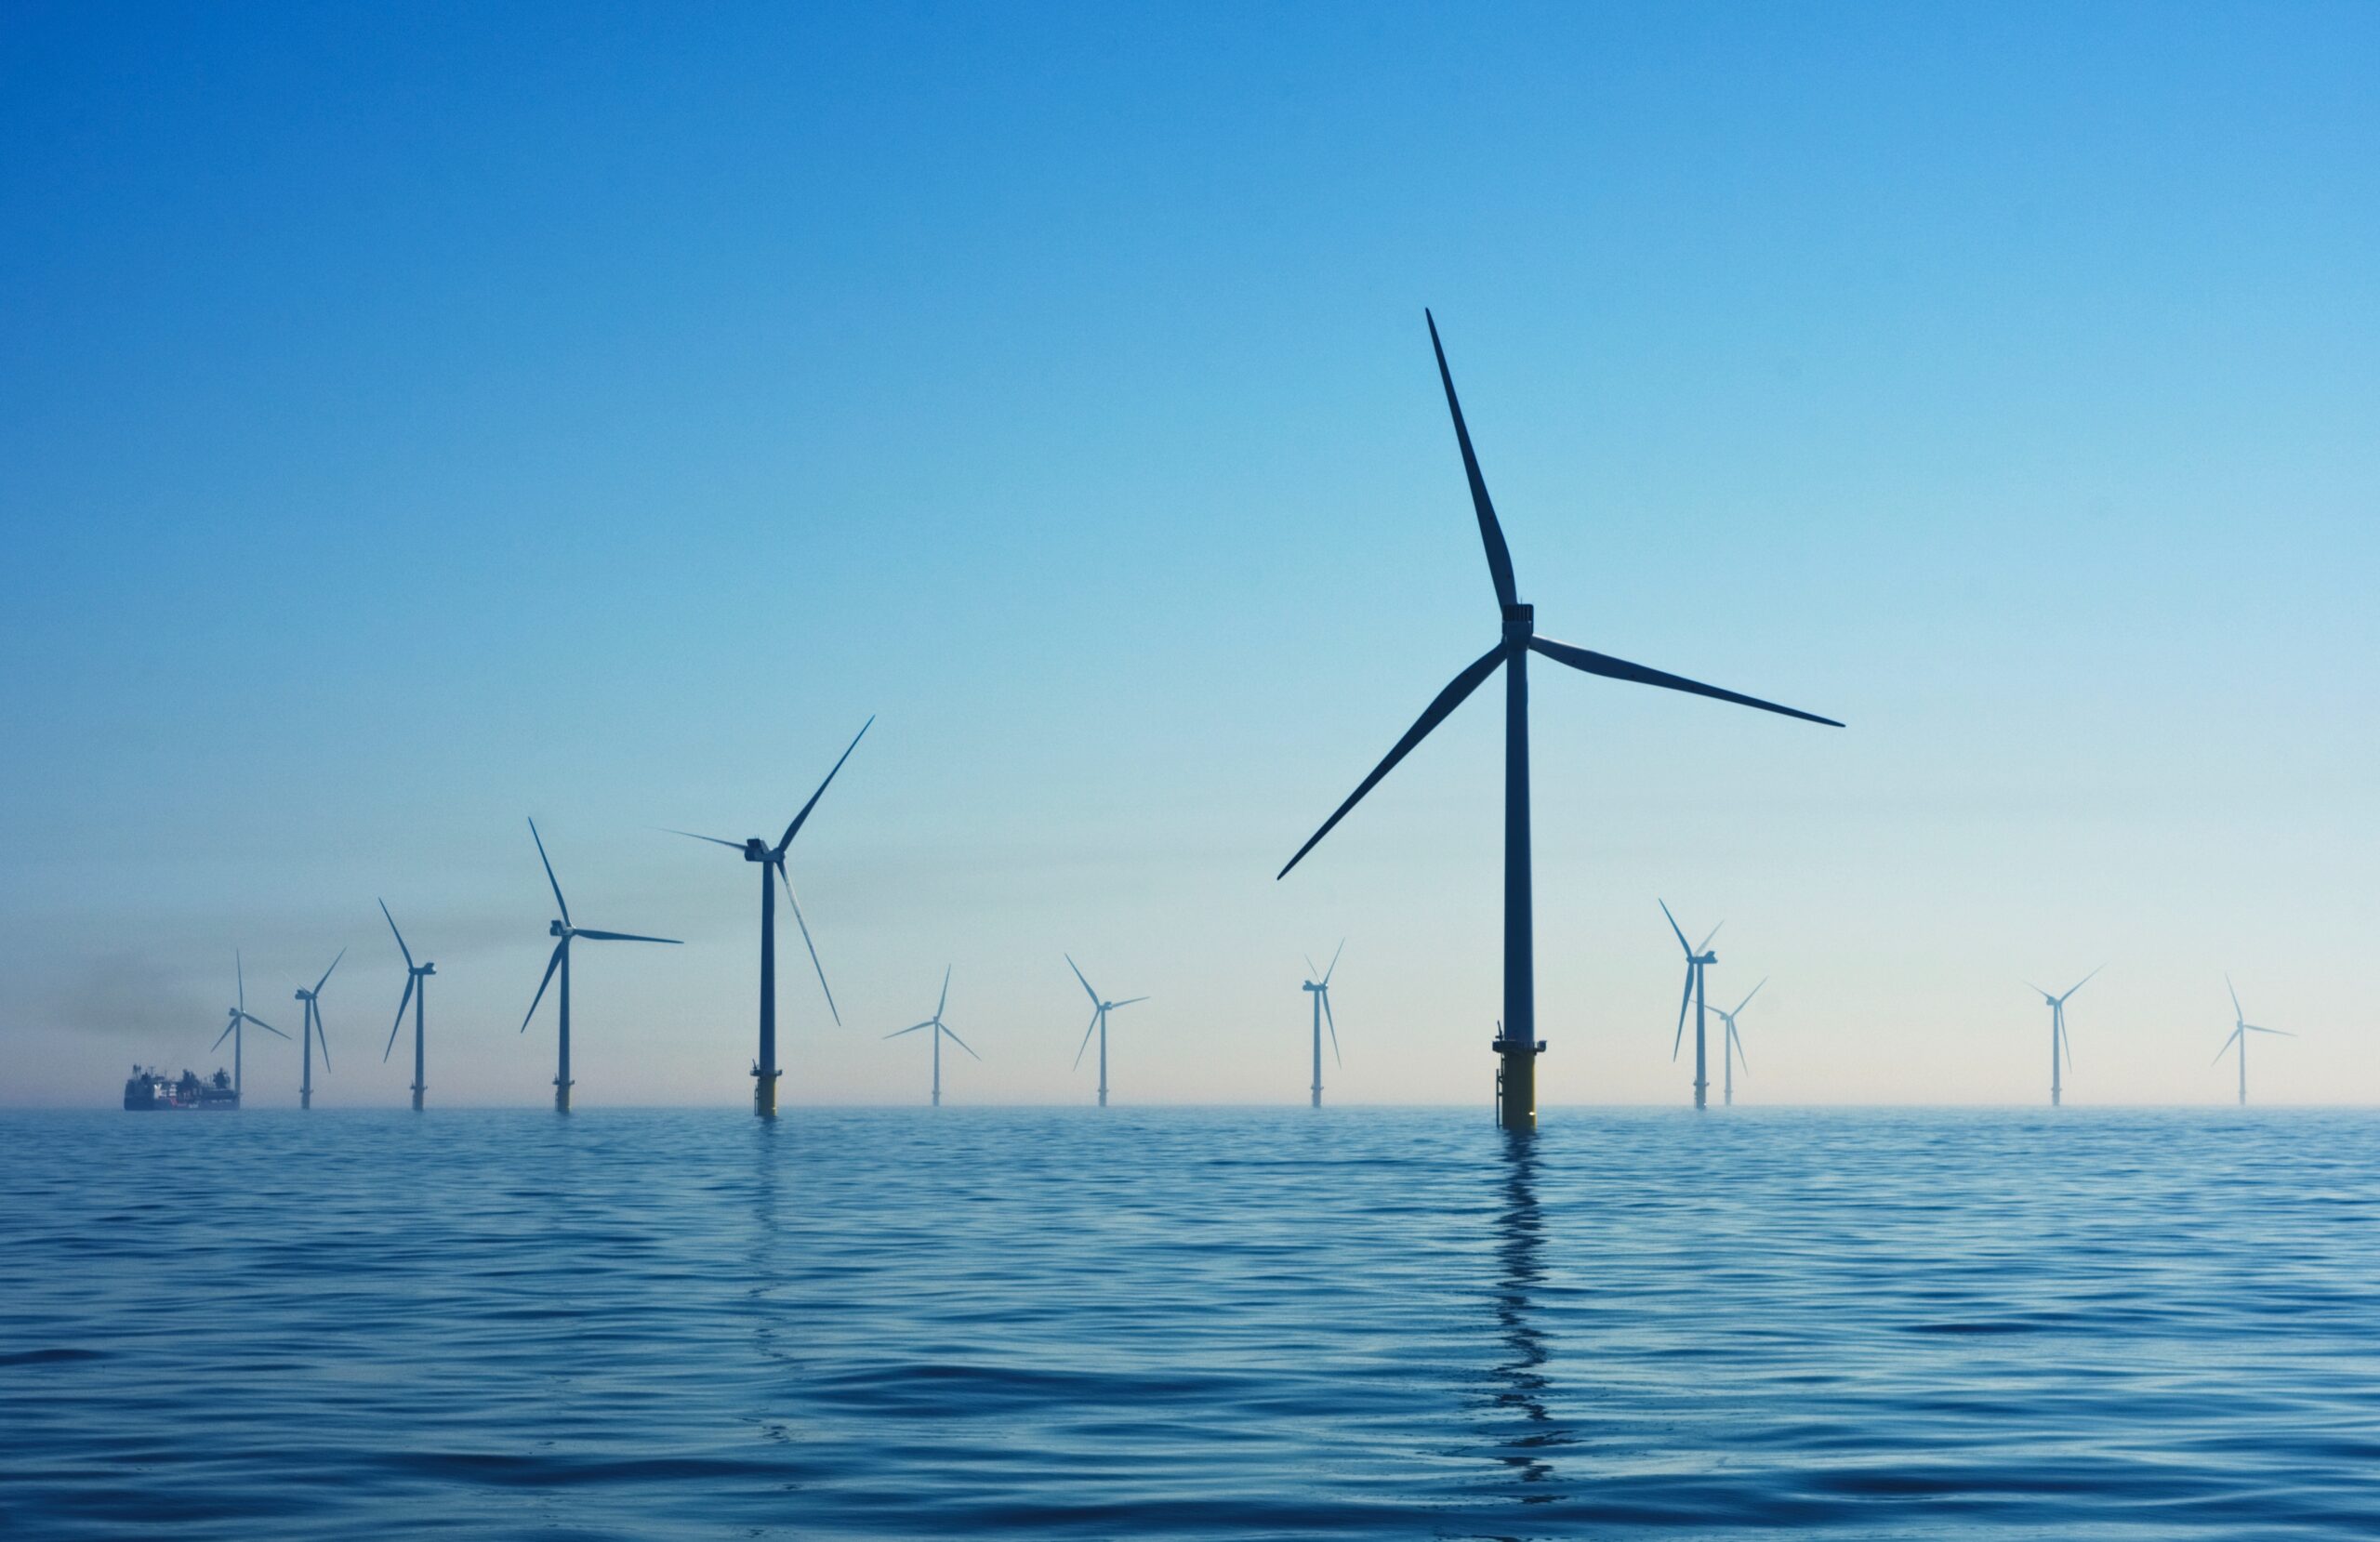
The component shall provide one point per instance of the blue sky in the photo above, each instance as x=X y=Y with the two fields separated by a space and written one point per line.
x=415 y=418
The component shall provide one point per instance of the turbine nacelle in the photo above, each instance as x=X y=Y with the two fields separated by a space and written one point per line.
x=1520 y=625
x=757 y=850
x=559 y=928
x=425 y=968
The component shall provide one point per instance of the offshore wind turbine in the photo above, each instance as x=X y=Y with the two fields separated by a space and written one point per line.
x=1321 y=991
x=1696 y=960
x=771 y=861
x=1098 y=1010
x=940 y=1029
x=2057 y=1036
x=563 y=930
x=1516 y=1045
x=2240 y=1029
x=417 y=992
x=313 y=1033
x=240 y=1014
x=1732 y=1046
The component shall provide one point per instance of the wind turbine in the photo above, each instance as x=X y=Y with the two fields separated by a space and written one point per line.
x=313 y=1033
x=240 y=1014
x=772 y=860
x=2057 y=1036
x=940 y=1030
x=1517 y=1043
x=2240 y=1029
x=1098 y=1010
x=417 y=992
x=564 y=930
x=1321 y=991
x=1734 y=1047
x=1696 y=960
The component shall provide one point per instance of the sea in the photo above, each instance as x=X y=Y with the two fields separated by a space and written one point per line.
x=1190 y=1324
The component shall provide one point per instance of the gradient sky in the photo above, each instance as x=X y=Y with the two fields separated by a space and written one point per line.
x=416 y=417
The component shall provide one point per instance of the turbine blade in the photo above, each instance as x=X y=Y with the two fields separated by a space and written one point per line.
x=2239 y=1013
x=625 y=937
x=795 y=828
x=957 y=1040
x=400 y=936
x=911 y=1029
x=1334 y=961
x=551 y=965
x=221 y=1036
x=1674 y=927
x=1126 y=1002
x=787 y=879
x=1491 y=535
x=1312 y=973
x=2225 y=1049
x=2084 y=981
x=945 y=994
x=1086 y=984
x=1432 y=715
x=715 y=841
x=549 y=872
x=1684 y=1001
x=268 y=1027
x=2066 y=1039
x=1737 y=1042
x=326 y=976
x=1704 y=946
x=322 y=1036
x=2282 y=1032
x=240 y=972
x=1333 y=1024
x=402 y=1002
x=1621 y=669
x=1086 y=1039
x=1748 y=995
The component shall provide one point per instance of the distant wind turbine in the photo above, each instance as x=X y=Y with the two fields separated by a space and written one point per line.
x=1696 y=960
x=240 y=1014
x=1733 y=1048
x=313 y=1033
x=565 y=931
x=2057 y=1036
x=1517 y=1043
x=771 y=861
x=1098 y=1010
x=2240 y=1029
x=417 y=992
x=1320 y=990
x=940 y=1029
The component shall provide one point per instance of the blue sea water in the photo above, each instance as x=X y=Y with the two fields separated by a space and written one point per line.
x=1189 y=1323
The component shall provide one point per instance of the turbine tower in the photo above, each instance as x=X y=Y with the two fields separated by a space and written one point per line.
x=239 y=1015
x=417 y=992
x=1516 y=1045
x=2058 y=1038
x=1696 y=960
x=771 y=861
x=1098 y=1010
x=1733 y=1048
x=564 y=930
x=2240 y=1029
x=940 y=1029
x=313 y=1033
x=1321 y=991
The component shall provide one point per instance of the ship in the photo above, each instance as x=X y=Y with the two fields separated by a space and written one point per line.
x=149 y=1089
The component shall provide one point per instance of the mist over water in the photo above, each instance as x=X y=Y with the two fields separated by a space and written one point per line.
x=1193 y=1324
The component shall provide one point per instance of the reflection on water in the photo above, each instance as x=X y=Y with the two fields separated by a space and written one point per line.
x=1520 y=1379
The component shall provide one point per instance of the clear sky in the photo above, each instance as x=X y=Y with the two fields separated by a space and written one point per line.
x=416 y=417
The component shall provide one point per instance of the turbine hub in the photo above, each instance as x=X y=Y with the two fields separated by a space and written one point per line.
x=1520 y=624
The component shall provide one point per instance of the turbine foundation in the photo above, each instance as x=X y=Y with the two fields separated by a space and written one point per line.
x=1516 y=1082
x=764 y=1093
